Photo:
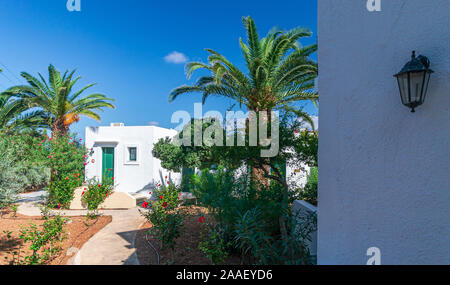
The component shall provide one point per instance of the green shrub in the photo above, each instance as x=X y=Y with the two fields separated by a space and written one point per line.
x=96 y=193
x=227 y=196
x=264 y=249
x=309 y=192
x=214 y=246
x=19 y=172
x=168 y=194
x=10 y=180
x=44 y=242
x=26 y=158
x=165 y=216
x=66 y=157
x=248 y=217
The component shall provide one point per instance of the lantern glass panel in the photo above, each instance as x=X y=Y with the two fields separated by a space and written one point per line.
x=403 y=85
x=425 y=86
x=416 y=84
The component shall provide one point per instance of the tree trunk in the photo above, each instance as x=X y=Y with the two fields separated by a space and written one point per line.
x=258 y=174
x=59 y=128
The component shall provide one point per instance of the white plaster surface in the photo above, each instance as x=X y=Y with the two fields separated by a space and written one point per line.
x=384 y=172
x=303 y=210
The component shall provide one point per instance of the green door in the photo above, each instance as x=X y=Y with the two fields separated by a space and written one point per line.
x=108 y=162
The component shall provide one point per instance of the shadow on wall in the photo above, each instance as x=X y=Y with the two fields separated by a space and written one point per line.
x=94 y=129
x=153 y=184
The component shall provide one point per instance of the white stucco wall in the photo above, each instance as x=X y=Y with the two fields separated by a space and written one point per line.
x=129 y=177
x=383 y=171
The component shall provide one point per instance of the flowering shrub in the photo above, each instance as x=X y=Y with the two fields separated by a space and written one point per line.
x=213 y=245
x=44 y=242
x=165 y=215
x=66 y=157
x=169 y=195
x=96 y=192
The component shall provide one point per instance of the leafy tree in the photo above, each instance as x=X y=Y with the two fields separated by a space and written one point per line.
x=56 y=98
x=175 y=158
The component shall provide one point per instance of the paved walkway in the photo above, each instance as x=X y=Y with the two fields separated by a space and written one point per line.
x=112 y=245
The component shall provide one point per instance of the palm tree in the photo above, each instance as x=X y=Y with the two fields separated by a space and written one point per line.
x=59 y=104
x=14 y=116
x=279 y=73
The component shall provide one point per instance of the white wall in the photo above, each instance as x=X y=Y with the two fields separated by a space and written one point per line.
x=384 y=172
x=129 y=177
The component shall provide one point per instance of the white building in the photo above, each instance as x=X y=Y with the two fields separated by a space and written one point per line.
x=126 y=152
x=384 y=171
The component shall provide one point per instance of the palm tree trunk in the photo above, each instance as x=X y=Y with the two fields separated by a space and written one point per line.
x=258 y=174
x=59 y=128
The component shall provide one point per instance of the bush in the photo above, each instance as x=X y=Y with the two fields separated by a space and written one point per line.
x=20 y=172
x=11 y=182
x=227 y=196
x=248 y=217
x=44 y=242
x=168 y=194
x=66 y=158
x=264 y=249
x=165 y=216
x=214 y=246
x=96 y=192
x=309 y=192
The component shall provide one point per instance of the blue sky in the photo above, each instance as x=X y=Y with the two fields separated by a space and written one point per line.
x=122 y=45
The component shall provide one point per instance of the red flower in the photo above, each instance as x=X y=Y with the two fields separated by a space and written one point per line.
x=159 y=185
x=161 y=197
x=150 y=193
x=99 y=186
x=166 y=177
x=202 y=220
x=168 y=182
x=164 y=204
x=145 y=205
x=82 y=193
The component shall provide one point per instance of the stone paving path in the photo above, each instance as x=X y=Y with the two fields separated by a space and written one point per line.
x=112 y=245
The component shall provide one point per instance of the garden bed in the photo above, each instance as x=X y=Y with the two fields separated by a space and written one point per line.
x=186 y=249
x=76 y=234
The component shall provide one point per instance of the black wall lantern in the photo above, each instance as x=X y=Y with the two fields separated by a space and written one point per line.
x=413 y=81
